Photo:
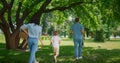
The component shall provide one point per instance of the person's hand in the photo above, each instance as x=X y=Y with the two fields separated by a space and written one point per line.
x=71 y=32
x=42 y=44
x=51 y=44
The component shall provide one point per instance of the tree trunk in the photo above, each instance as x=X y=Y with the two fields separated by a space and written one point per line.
x=12 y=41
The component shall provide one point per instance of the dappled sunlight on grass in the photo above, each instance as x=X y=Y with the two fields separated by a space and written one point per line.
x=93 y=52
x=90 y=43
x=105 y=45
x=45 y=55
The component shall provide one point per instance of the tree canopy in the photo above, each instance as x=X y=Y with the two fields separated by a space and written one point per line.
x=94 y=15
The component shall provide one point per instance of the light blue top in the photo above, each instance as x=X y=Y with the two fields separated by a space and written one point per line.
x=34 y=31
x=77 y=30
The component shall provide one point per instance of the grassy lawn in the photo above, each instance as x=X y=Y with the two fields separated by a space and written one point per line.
x=93 y=52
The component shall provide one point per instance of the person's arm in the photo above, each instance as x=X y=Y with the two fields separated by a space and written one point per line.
x=60 y=41
x=71 y=31
x=23 y=27
x=25 y=31
x=40 y=33
x=41 y=42
x=83 y=32
x=50 y=42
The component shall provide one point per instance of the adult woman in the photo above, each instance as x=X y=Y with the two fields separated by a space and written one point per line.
x=34 y=32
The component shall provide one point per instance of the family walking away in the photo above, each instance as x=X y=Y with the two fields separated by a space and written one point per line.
x=34 y=32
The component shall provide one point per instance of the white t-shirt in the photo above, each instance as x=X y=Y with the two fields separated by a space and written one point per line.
x=55 y=41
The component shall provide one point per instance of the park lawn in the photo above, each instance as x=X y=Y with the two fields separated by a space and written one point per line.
x=93 y=52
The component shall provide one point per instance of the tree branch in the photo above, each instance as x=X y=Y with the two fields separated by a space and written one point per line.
x=25 y=14
x=18 y=13
x=65 y=7
x=5 y=5
x=9 y=16
x=11 y=3
x=2 y=27
x=2 y=11
x=42 y=8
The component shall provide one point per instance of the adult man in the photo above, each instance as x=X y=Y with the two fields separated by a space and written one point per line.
x=78 y=31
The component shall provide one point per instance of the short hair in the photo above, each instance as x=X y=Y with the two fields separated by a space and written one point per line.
x=55 y=32
x=76 y=19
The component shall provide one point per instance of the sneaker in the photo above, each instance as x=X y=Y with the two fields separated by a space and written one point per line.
x=76 y=59
x=80 y=57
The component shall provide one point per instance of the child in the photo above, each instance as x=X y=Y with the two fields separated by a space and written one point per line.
x=55 y=41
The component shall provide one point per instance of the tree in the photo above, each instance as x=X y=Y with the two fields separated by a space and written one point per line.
x=13 y=13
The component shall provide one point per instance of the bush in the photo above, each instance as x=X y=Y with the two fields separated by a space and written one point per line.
x=99 y=36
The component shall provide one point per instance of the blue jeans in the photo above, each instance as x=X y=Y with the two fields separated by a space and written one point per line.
x=77 y=47
x=32 y=44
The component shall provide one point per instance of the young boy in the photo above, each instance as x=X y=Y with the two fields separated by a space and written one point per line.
x=55 y=42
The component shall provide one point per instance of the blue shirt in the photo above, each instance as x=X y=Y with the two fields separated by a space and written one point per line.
x=34 y=31
x=77 y=30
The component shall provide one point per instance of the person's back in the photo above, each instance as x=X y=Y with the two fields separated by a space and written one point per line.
x=77 y=30
x=56 y=40
x=34 y=30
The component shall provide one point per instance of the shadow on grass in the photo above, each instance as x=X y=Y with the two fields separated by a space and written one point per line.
x=45 y=55
x=2 y=45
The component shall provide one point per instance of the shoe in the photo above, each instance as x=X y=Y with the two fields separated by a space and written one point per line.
x=80 y=57
x=76 y=59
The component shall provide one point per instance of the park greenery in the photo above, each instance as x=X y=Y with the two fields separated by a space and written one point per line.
x=99 y=17
x=101 y=20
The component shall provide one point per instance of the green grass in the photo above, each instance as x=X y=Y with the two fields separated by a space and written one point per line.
x=93 y=52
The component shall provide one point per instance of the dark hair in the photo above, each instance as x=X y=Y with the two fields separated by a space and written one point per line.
x=35 y=20
x=55 y=32
x=76 y=19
